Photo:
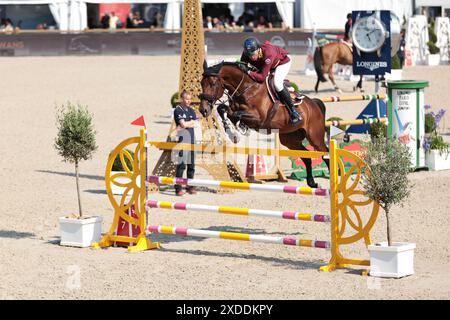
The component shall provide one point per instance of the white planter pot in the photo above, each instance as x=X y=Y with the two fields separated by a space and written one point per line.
x=436 y=161
x=80 y=232
x=120 y=190
x=433 y=59
x=395 y=261
x=396 y=74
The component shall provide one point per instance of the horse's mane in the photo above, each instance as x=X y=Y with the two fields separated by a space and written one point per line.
x=215 y=69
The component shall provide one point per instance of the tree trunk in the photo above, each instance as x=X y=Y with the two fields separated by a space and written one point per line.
x=387 y=226
x=80 y=211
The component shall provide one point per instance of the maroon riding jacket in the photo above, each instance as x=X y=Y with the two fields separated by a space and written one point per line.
x=272 y=57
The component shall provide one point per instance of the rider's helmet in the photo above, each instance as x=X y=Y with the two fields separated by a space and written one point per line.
x=251 y=45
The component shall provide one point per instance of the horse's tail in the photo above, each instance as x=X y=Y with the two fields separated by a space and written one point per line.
x=321 y=105
x=318 y=64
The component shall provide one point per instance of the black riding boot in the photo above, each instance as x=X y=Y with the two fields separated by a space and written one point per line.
x=286 y=99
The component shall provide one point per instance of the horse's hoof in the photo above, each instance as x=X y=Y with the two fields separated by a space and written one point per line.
x=312 y=184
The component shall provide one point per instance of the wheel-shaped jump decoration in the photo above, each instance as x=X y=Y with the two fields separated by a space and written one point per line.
x=131 y=195
x=353 y=224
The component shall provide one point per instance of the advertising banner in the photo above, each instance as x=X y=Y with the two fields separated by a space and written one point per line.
x=379 y=61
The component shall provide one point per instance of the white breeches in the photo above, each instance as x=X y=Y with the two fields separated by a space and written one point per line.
x=280 y=74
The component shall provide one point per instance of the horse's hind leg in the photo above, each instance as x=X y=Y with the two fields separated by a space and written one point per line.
x=331 y=76
x=359 y=85
x=316 y=88
x=293 y=141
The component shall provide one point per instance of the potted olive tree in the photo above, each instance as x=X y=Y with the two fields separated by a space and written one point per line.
x=386 y=181
x=75 y=141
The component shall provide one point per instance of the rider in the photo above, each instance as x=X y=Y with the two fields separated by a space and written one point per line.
x=267 y=57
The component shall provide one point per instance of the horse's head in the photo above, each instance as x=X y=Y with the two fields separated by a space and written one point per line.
x=212 y=89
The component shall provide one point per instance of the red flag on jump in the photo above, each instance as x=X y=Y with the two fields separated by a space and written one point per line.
x=139 y=121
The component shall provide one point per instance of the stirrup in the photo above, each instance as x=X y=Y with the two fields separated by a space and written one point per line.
x=295 y=117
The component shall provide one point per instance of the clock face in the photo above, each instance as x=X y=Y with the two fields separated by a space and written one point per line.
x=368 y=34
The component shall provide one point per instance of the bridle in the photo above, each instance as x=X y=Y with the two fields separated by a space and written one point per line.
x=211 y=99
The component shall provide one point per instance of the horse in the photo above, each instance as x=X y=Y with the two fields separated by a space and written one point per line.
x=326 y=56
x=250 y=103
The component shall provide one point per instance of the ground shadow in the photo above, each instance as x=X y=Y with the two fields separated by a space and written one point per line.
x=15 y=234
x=96 y=191
x=167 y=238
x=294 y=264
x=161 y=116
x=85 y=176
x=162 y=122
x=170 y=190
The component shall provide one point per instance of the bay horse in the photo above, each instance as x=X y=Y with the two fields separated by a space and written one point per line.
x=326 y=56
x=250 y=103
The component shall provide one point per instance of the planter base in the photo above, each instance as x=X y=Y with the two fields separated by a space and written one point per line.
x=396 y=261
x=80 y=232
x=436 y=161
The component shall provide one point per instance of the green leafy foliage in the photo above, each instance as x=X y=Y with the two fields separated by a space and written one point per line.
x=395 y=62
x=429 y=123
x=175 y=99
x=433 y=48
x=386 y=180
x=433 y=39
x=118 y=166
x=378 y=130
x=437 y=142
x=75 y=140
x=389 y=162
x=433 y=140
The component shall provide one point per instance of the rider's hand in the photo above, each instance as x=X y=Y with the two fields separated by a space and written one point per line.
x=243 y=67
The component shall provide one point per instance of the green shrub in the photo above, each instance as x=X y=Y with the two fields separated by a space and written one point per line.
x=378 y=130
x=433 y=48
x=174 y=100
x=395 y=62
x=429 y=123
x=436 y=142
x=117 y=165
x=433 y=39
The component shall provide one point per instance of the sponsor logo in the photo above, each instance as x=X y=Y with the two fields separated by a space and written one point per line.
x=278 y=41
x=371 y=65
x=79 y=45
x=268 y=61
x=12 y=45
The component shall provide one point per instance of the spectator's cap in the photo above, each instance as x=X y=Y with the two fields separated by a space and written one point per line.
x=251 y=45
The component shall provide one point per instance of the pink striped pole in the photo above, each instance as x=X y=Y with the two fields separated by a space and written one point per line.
x=292 y=215
x=289 y=241
x=239 y=185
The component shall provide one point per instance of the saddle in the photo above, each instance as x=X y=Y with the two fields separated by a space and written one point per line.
x=296 y=97
x=348 y=44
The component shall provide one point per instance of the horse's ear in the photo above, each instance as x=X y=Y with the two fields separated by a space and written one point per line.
x=205 y=65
